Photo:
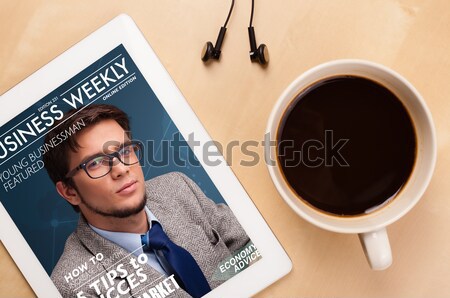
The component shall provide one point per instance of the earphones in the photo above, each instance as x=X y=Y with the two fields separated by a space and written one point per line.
x=213 y=52
x=258 y=54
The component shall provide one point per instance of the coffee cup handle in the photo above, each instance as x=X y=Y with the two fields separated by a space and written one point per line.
x=377 y=248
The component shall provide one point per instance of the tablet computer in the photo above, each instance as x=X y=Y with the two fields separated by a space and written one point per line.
x=111 y=187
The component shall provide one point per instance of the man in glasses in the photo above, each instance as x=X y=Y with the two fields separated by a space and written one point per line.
x=133 y=235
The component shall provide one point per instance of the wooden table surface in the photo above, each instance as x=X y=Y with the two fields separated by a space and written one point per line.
x=233 y=99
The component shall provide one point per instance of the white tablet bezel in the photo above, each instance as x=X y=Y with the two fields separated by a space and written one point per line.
x=122 y=30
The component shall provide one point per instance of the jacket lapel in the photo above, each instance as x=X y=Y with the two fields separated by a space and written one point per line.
x=113 y=256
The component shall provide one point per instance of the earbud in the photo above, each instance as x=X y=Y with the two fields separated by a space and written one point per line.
x=213 y=52
x=260 y=54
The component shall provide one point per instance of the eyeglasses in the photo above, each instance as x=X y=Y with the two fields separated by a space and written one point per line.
x=101 y=164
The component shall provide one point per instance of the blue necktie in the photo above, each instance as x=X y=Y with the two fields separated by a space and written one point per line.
x=176 y=260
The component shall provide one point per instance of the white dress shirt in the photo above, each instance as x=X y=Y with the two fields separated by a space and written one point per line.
x=131 y=242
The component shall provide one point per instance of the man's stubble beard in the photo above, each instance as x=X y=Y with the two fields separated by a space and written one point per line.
x=120 y=213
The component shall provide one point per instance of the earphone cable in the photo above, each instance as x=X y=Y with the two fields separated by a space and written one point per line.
x=229 y=13
x=251 y=15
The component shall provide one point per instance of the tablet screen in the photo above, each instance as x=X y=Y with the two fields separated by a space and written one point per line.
x=109 y=195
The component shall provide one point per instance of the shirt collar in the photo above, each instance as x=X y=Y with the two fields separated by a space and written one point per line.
x=129 y=241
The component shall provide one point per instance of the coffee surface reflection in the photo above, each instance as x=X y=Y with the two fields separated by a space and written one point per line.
x=346 y=145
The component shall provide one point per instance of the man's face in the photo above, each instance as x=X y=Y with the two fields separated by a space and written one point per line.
x=121 y=192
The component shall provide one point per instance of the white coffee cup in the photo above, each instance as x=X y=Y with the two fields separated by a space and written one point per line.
x=371 y=227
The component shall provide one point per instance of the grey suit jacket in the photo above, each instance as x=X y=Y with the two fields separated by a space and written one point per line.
x=209 y=231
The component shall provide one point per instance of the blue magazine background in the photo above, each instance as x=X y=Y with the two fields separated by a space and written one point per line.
x=43 y=217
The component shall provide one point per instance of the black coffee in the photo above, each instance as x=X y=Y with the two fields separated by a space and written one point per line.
x=346 y=145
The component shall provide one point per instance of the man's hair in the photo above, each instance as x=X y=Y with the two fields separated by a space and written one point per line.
x=56 y=160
